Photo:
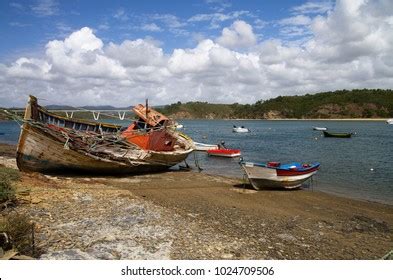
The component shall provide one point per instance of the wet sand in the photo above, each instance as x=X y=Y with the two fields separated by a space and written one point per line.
x=190 y=215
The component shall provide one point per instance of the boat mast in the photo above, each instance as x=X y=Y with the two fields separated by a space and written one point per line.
x=147 y=112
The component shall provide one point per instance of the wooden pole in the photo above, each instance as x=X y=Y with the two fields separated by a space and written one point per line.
x=147 y=108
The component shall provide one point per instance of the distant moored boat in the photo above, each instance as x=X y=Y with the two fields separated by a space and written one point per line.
x=389 y=121
x=240 y=129
x=337 y=135
x=319 y=128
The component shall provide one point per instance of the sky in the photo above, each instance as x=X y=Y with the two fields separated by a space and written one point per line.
x=84 y=52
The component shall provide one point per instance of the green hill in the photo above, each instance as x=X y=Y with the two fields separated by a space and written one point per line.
x=363 y=103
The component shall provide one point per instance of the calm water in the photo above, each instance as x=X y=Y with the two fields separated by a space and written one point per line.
x=345 y=163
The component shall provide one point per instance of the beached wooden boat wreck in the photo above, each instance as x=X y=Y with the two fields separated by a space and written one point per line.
x=52 y=143
x=277 y=175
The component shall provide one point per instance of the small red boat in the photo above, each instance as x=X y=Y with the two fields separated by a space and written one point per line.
x=224 y=152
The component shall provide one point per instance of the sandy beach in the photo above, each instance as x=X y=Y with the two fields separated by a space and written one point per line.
x=191 y=215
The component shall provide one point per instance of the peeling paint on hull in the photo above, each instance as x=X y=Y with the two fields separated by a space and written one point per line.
x=38 y=153
x=49 y=143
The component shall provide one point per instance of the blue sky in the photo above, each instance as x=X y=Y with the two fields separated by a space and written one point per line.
x=223 y=51
x=26 y=26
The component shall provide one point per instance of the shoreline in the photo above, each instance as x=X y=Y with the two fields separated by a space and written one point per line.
x=190 y=215
x=310 y=189
x=7 y=149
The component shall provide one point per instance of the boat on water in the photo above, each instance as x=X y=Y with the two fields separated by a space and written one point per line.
x=204 y=147
x=52 y=143
x=277 y=175
x=224 y=152
x=389 y=121
x=240 y=129
x=337 y=134
x=319 y=128
x=179 y=126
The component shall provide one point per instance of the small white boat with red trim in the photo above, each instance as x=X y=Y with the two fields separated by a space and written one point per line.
x=223 y=152
x=277 y=175
x=204 y=147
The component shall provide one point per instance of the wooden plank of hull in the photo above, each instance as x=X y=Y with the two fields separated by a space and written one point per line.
x=37 y=152
x=261 y=177
x=169 y=158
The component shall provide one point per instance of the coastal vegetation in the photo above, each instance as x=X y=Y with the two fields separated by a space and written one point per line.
x=359 y=103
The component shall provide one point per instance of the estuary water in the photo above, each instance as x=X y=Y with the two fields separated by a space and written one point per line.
x=360 y=167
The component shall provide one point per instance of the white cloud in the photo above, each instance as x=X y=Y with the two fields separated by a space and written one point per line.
x=81 y=55
x=320 y=7
x=259 y=24
x=188 y=61
x=239 y=34
x=296 y=20
x=45 y=8
x=169 y=20
x=121 y=14
x=216 y=19
x=19 y=24
x=350 y=47
x=218 y=5
x=104 y=26
x=151 y=27
x=296 y=26
x=30 y=69
x=135 y=53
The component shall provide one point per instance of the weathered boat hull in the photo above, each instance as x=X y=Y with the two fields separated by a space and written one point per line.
x=38 y=153
x=47 y=148
x=262 y=177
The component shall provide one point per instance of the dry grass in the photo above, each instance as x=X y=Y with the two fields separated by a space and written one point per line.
x=7 y=191
x=19 y=229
